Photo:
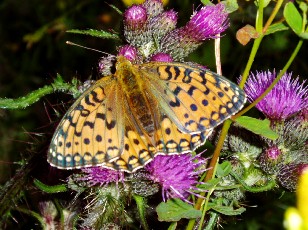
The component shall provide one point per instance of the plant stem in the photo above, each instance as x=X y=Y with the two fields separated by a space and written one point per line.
x=34 y=96
x=33 y=214
x=141 y=208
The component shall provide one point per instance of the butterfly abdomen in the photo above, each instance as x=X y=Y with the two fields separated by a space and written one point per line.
x=133 y=90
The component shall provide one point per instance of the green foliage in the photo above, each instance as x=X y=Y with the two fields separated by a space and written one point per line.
x=176 y=209
x=96 y=33
x=293 y=17
x=260 y=127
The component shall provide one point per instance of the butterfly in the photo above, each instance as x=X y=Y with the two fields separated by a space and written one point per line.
x=142 y=110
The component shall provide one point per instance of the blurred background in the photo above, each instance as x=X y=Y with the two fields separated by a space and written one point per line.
x=33 y=51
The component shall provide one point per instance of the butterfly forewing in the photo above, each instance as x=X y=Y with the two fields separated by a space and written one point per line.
x=123 y=121
x=80 y=139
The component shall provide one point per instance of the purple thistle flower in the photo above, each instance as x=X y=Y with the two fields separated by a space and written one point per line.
x=273 y=152
x=128 y=51
x=101 y=176
x=208 y=22
x=204 y=24
x=177 y=174
x=162 y=24
x=271 y=159
x=162 y=57
x=105 y=65
x=286 y=98
x=289 y=174
x=135 y=17
x=153 y=7
x=135 y=25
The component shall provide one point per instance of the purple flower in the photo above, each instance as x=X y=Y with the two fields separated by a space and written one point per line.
x=204 y=24
x=105 y=65
x=162 y=57
x=101 y=176
x=135 y=25
x=162 y=24
x=128 y=51
x=207 y=22
x=177 y=174
x=273 y=152
x=153 y=7
x=271 y=159
x=289 y=174
x=286 y=98
x=135 y=17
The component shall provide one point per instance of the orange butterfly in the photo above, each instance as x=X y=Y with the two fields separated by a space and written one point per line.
x=124 y=120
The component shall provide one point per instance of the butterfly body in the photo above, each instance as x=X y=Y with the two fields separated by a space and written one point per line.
x=124 y=120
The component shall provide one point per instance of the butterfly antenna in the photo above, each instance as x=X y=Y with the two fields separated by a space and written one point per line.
x=74 y=44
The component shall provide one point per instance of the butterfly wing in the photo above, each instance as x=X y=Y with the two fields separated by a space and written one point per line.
x=91 y=132
x=194 y=99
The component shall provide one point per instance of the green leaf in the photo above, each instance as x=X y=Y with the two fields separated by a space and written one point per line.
x=303 y=35
x=293 y=17
x=176 y=209
x=230 y=5
x=207 y=2
x=48 y=188
x=276 y=27
x=260 y=127
x=211 y=184
x=223 y=169
x=227 y=210
x=96 y=33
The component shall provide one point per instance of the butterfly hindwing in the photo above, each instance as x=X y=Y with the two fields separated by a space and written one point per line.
x=196 y=99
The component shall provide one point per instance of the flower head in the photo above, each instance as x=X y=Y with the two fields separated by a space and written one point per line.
x=101 y=176
x=105 y=65
x=128 y=51
x=135 y=25
x=177 y=174
x=162 y=24
x=208 y=22
x=271 y=159
x=286 y=98
x=135 y=17
x=289 y=174
x=204 y=24
x=153 y=7
x=162 y=57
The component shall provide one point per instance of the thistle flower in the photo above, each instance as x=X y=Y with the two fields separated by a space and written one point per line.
x=100 y=176
x=162 y=24
x=153 y=7
x=289 y=148
x=128 y=51
x=105 y=65
x=289 y=174
x=177 y=174
x=286 y=98
x=271 y=159
x=135 y=29
x=162 y=57
x=206 y=23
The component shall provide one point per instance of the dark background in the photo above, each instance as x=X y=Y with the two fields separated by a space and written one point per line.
x=33 y=50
